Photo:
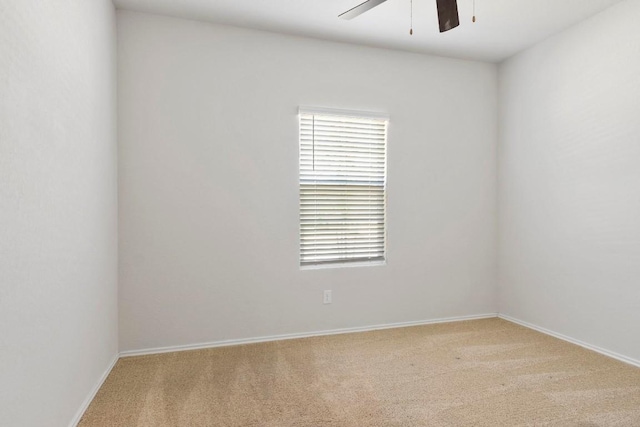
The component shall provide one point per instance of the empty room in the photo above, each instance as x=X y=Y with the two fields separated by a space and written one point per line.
x=316 y=213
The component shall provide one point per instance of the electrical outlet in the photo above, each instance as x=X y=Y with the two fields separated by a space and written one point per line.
x=327 y=297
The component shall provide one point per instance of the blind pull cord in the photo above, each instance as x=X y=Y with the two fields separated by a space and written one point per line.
x=313 y=143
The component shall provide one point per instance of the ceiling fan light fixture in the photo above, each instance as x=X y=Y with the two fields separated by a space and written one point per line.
x=447 y=12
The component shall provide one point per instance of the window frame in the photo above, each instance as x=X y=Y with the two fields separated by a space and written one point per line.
x=344 y=263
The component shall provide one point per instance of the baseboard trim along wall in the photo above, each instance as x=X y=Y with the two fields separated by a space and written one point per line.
x=602 y=351
x=226 y=343
x=94 y=391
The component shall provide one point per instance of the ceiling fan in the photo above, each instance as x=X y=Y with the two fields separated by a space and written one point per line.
x=447 y=12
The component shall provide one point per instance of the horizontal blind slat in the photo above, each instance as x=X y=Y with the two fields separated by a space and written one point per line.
x=328 y=240
x=336 y=229
x=360 y=252
x=317 y=260
x=344 y=247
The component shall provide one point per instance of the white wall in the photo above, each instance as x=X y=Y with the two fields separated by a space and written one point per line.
x=569 y=182
x=58 y=213
x=208 y=188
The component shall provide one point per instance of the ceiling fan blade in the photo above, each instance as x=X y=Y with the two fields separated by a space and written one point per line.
x=360 y=9
x=448 y=14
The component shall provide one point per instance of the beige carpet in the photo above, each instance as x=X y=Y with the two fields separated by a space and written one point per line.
x=476 y=373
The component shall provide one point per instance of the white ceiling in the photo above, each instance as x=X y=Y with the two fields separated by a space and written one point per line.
x=504 y=27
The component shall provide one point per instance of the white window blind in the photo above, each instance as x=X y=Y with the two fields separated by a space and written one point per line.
x=342 y=188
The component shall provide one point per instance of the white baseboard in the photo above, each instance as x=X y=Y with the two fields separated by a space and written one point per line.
x=597 y=349
x=93 y=392
x=226 y=343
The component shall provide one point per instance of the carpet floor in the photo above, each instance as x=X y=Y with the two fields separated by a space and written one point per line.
x=475 y=373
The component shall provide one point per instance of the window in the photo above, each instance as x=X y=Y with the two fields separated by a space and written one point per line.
x=342 y=187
